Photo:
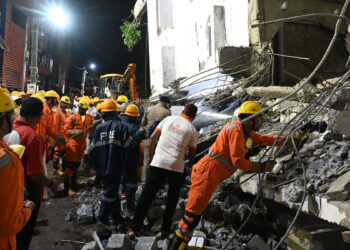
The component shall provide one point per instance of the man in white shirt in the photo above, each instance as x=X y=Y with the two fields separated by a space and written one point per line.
x=178 y=138
x=108 y=93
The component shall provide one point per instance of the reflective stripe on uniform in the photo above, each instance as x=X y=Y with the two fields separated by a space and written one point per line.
x=127 y=143
x=222 y=160
x=231 y=127
x=107 y=199
x=113 y=141
x=5 y=160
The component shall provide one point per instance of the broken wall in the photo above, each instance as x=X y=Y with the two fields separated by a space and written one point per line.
x=308 y=37
x=193 y=35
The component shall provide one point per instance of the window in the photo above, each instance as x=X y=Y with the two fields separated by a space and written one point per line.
x=164 y=10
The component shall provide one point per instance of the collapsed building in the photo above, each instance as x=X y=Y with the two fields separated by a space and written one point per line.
x=295 y=63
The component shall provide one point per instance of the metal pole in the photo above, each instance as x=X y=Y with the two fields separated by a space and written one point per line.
x=83 y=80
x=24 y=57
x=34 y=48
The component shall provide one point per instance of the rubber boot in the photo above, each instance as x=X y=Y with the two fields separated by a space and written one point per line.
x=180 y=241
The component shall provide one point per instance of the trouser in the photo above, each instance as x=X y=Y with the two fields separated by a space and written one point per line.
x=207 y=174
x=154 y=181
x=130 y=184
x=59 y=153
x=70 y=171
x=145 y=159
x=110 y=204
x=86 y=161
x=24 y=237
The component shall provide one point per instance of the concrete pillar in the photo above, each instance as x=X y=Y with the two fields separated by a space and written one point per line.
x=256 y=15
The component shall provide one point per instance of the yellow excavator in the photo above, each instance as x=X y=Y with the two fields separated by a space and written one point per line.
x=116 y=84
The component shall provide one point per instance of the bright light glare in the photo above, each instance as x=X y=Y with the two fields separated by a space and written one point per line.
x=92 y=66
x=58 y=17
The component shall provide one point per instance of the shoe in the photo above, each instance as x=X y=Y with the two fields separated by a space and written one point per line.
x=71 y=193
x=106 y=226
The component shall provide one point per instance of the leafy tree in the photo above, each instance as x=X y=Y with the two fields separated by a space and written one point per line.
x=131 y=33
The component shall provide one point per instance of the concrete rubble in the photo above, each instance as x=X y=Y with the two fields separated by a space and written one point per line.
x=325 y=156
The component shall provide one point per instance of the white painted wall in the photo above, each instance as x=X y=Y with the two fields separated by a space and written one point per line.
x=184 y=41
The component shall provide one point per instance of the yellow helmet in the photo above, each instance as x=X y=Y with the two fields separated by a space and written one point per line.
x=132 y=110
x=30 y=92
x=41 y=92
x=22 y=94
x=14 y=93
x=52 y=93
x=96 y=99
x=122 y=98
x=38 y=97
x=65 y=99
x=91 y=100
x=84 y=103
x=6 y=103
x=18 y=149
x=109 y=105
x=99 y=106
x=250 y=107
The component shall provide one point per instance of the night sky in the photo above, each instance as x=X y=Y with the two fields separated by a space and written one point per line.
x=96 y=38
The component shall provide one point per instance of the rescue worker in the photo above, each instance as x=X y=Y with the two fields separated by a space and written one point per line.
x=225 y=156
x=35 y=179
x=131 y=155
x=75 y=125
x=14 y=212
x=108 y=153
x=122 y=110
x=92 y=110
x=177 y=138
x=122 y=99
x=46 y=127
x=60 y=118
x=154 y=113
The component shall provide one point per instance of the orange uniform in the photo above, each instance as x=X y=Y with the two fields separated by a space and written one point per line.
x=46 y=127
x=60 y=118
x=75 y=147
x=225 y=156
x=13 y=215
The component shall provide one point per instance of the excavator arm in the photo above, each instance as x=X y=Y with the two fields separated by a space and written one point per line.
x=129 y=78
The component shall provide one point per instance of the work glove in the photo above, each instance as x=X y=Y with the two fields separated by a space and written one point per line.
x=267 y=166
x=76 y=131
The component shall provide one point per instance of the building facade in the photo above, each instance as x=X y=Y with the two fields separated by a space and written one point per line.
x=190 y=36
x=186 y=35
x=15 y=28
